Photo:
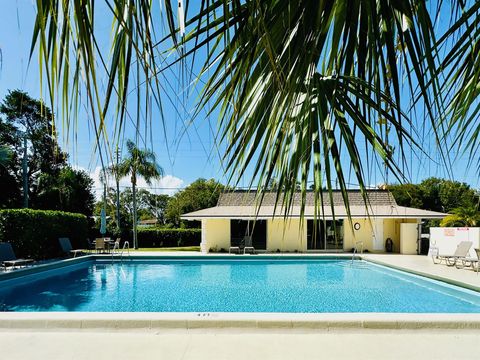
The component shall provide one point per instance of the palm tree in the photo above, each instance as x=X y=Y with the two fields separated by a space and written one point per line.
x=303 y=89
x=142 y=163
x=462 y=216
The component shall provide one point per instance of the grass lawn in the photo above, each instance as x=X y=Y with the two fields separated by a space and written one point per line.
x=184 y=248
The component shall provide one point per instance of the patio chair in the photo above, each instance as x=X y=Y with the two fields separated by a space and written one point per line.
x=468 y=261
x=235 y=249
x=460 y=253
x=477 y=251
x=8 y=258
x=66 y=246
x=248 y=245
x=100 y=245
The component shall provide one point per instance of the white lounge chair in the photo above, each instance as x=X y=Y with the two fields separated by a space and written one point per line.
x=248 y=245
x=8 y=258
x=474 y=263
x=477 y=251
x=234 y=250
x=66 y=246
x=460 y=253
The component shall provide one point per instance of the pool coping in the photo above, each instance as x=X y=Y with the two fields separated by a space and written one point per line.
x=191 y=321
x=425 y=274
x=218 y=320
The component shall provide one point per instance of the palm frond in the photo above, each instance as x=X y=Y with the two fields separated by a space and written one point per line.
x=306 y=90
x=461 y=70
x=300 y=89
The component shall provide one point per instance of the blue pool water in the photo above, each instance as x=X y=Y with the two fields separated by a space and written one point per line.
x=311 y=286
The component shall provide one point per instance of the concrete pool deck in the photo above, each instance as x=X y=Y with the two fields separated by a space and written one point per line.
x=278 y=345
x=246 y=335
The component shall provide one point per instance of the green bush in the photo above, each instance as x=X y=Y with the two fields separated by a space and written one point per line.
x=35 y=233
x=161 y=237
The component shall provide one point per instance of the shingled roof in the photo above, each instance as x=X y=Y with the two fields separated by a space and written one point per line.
x=355 y=198
x=246 y=205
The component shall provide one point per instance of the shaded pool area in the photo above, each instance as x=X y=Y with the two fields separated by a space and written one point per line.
x=214 y=285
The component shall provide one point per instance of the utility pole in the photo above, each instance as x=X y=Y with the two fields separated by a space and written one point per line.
x=117 y=181
x=25 y=171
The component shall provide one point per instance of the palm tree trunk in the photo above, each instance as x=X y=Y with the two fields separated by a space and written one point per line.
x=134 y=195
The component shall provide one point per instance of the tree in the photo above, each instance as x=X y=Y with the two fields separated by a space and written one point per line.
x=198 y=195
x=138 y=162
x=5 y=155
x=463 y=216
x=125 y=210
x=153 y=205
x=409 y=195
x=446 y=195
x=71 y=190
x=30 y=118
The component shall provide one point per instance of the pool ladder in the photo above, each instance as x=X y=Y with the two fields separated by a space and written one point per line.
x=358 y=244
x=116 y=246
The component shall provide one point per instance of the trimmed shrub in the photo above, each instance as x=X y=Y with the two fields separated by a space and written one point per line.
x=35 y=233
x=160 y=237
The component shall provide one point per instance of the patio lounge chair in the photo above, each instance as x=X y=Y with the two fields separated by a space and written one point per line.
x=248 y=245
x=477 y=251
x=8 y=258
x=474 y=263
x=234 y=250
x=460 y=254
x=66 y=246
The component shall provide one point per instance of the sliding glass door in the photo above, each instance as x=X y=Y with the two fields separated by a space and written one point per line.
x=256 y=229
x=325 y=235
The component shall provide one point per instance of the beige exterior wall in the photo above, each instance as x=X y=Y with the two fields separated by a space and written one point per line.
x=391 y=229
x=291 y=236
x=215 y=234
x=350 y=235
x=287 y=235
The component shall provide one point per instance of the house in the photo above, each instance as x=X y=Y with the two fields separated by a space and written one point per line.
x=237 y=215
x=148 y=223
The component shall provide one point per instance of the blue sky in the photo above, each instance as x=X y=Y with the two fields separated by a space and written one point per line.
x=192 y=153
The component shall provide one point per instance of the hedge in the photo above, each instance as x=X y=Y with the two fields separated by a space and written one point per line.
x=34 y=233
x=158 y=237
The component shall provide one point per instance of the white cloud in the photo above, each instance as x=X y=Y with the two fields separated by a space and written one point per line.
x=168 y=184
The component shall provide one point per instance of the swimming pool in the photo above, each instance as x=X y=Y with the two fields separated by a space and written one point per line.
x=203 y=285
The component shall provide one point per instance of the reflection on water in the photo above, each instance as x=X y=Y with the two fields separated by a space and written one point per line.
x=289 y=286
x=63 y=292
